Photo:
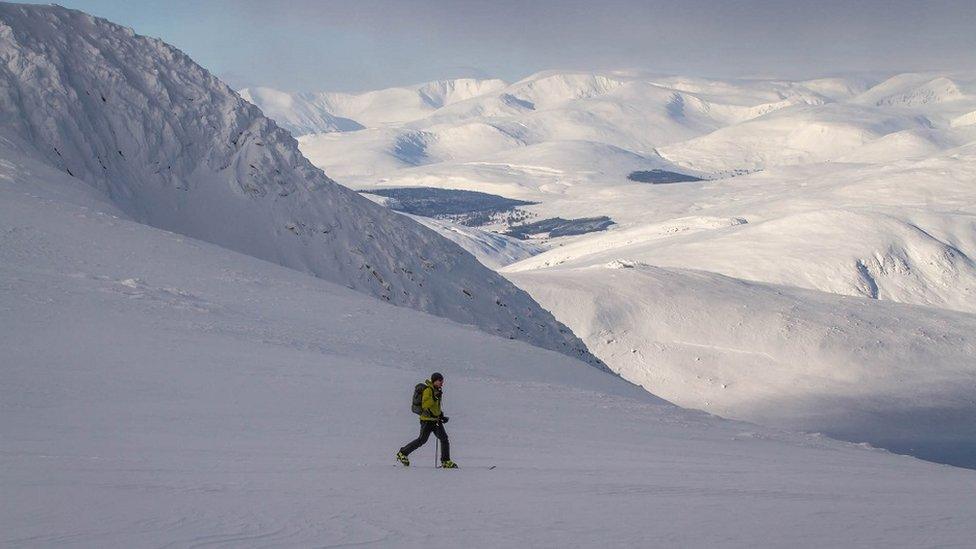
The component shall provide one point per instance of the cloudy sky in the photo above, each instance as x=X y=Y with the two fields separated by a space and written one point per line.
x=366 y=44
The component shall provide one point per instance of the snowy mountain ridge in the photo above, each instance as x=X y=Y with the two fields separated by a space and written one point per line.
x=175 y=148
x=302 y=113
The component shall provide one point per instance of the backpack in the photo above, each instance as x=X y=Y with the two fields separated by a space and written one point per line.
x=418 y=398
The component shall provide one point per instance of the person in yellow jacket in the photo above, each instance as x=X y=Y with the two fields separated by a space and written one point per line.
x=432 y=420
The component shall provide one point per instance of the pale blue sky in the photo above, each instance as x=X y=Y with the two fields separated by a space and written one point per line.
x=365 y=44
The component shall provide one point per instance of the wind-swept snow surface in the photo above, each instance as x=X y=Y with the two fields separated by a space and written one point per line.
x=175 y=148
x=159 y=390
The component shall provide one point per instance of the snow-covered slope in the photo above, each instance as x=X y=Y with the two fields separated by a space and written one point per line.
x=918 y=90
x=160 y=390
x=902 y=232
x=303 y=113
x=723 y=127
x=297 y=113
x=175 y=148
x=862 y=368
x=492 y=249
x=798 y=135
x=633 y=113
x=897 y=376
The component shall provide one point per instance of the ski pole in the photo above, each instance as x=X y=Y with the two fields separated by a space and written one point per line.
x=437 y=443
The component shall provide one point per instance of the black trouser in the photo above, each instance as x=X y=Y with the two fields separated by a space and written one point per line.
x=426 y=428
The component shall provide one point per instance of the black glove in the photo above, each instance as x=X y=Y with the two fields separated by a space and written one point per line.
x=444 y=419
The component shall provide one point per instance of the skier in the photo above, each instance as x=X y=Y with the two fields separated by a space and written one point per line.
x=432 y=420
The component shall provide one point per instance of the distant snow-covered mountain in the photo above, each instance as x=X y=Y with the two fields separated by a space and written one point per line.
x=303 y=113
x=569 y=141
x=175 y=148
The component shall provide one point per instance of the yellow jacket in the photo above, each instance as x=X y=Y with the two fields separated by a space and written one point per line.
x=430 y=403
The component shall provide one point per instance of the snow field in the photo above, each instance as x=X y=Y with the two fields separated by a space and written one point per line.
x=161 y=390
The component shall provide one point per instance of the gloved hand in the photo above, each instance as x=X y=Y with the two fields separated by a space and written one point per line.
x=444 y=419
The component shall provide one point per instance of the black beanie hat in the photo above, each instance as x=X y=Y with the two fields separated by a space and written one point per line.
x=436 y=376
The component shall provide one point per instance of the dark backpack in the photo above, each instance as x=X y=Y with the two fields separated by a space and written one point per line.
x=418 y=398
